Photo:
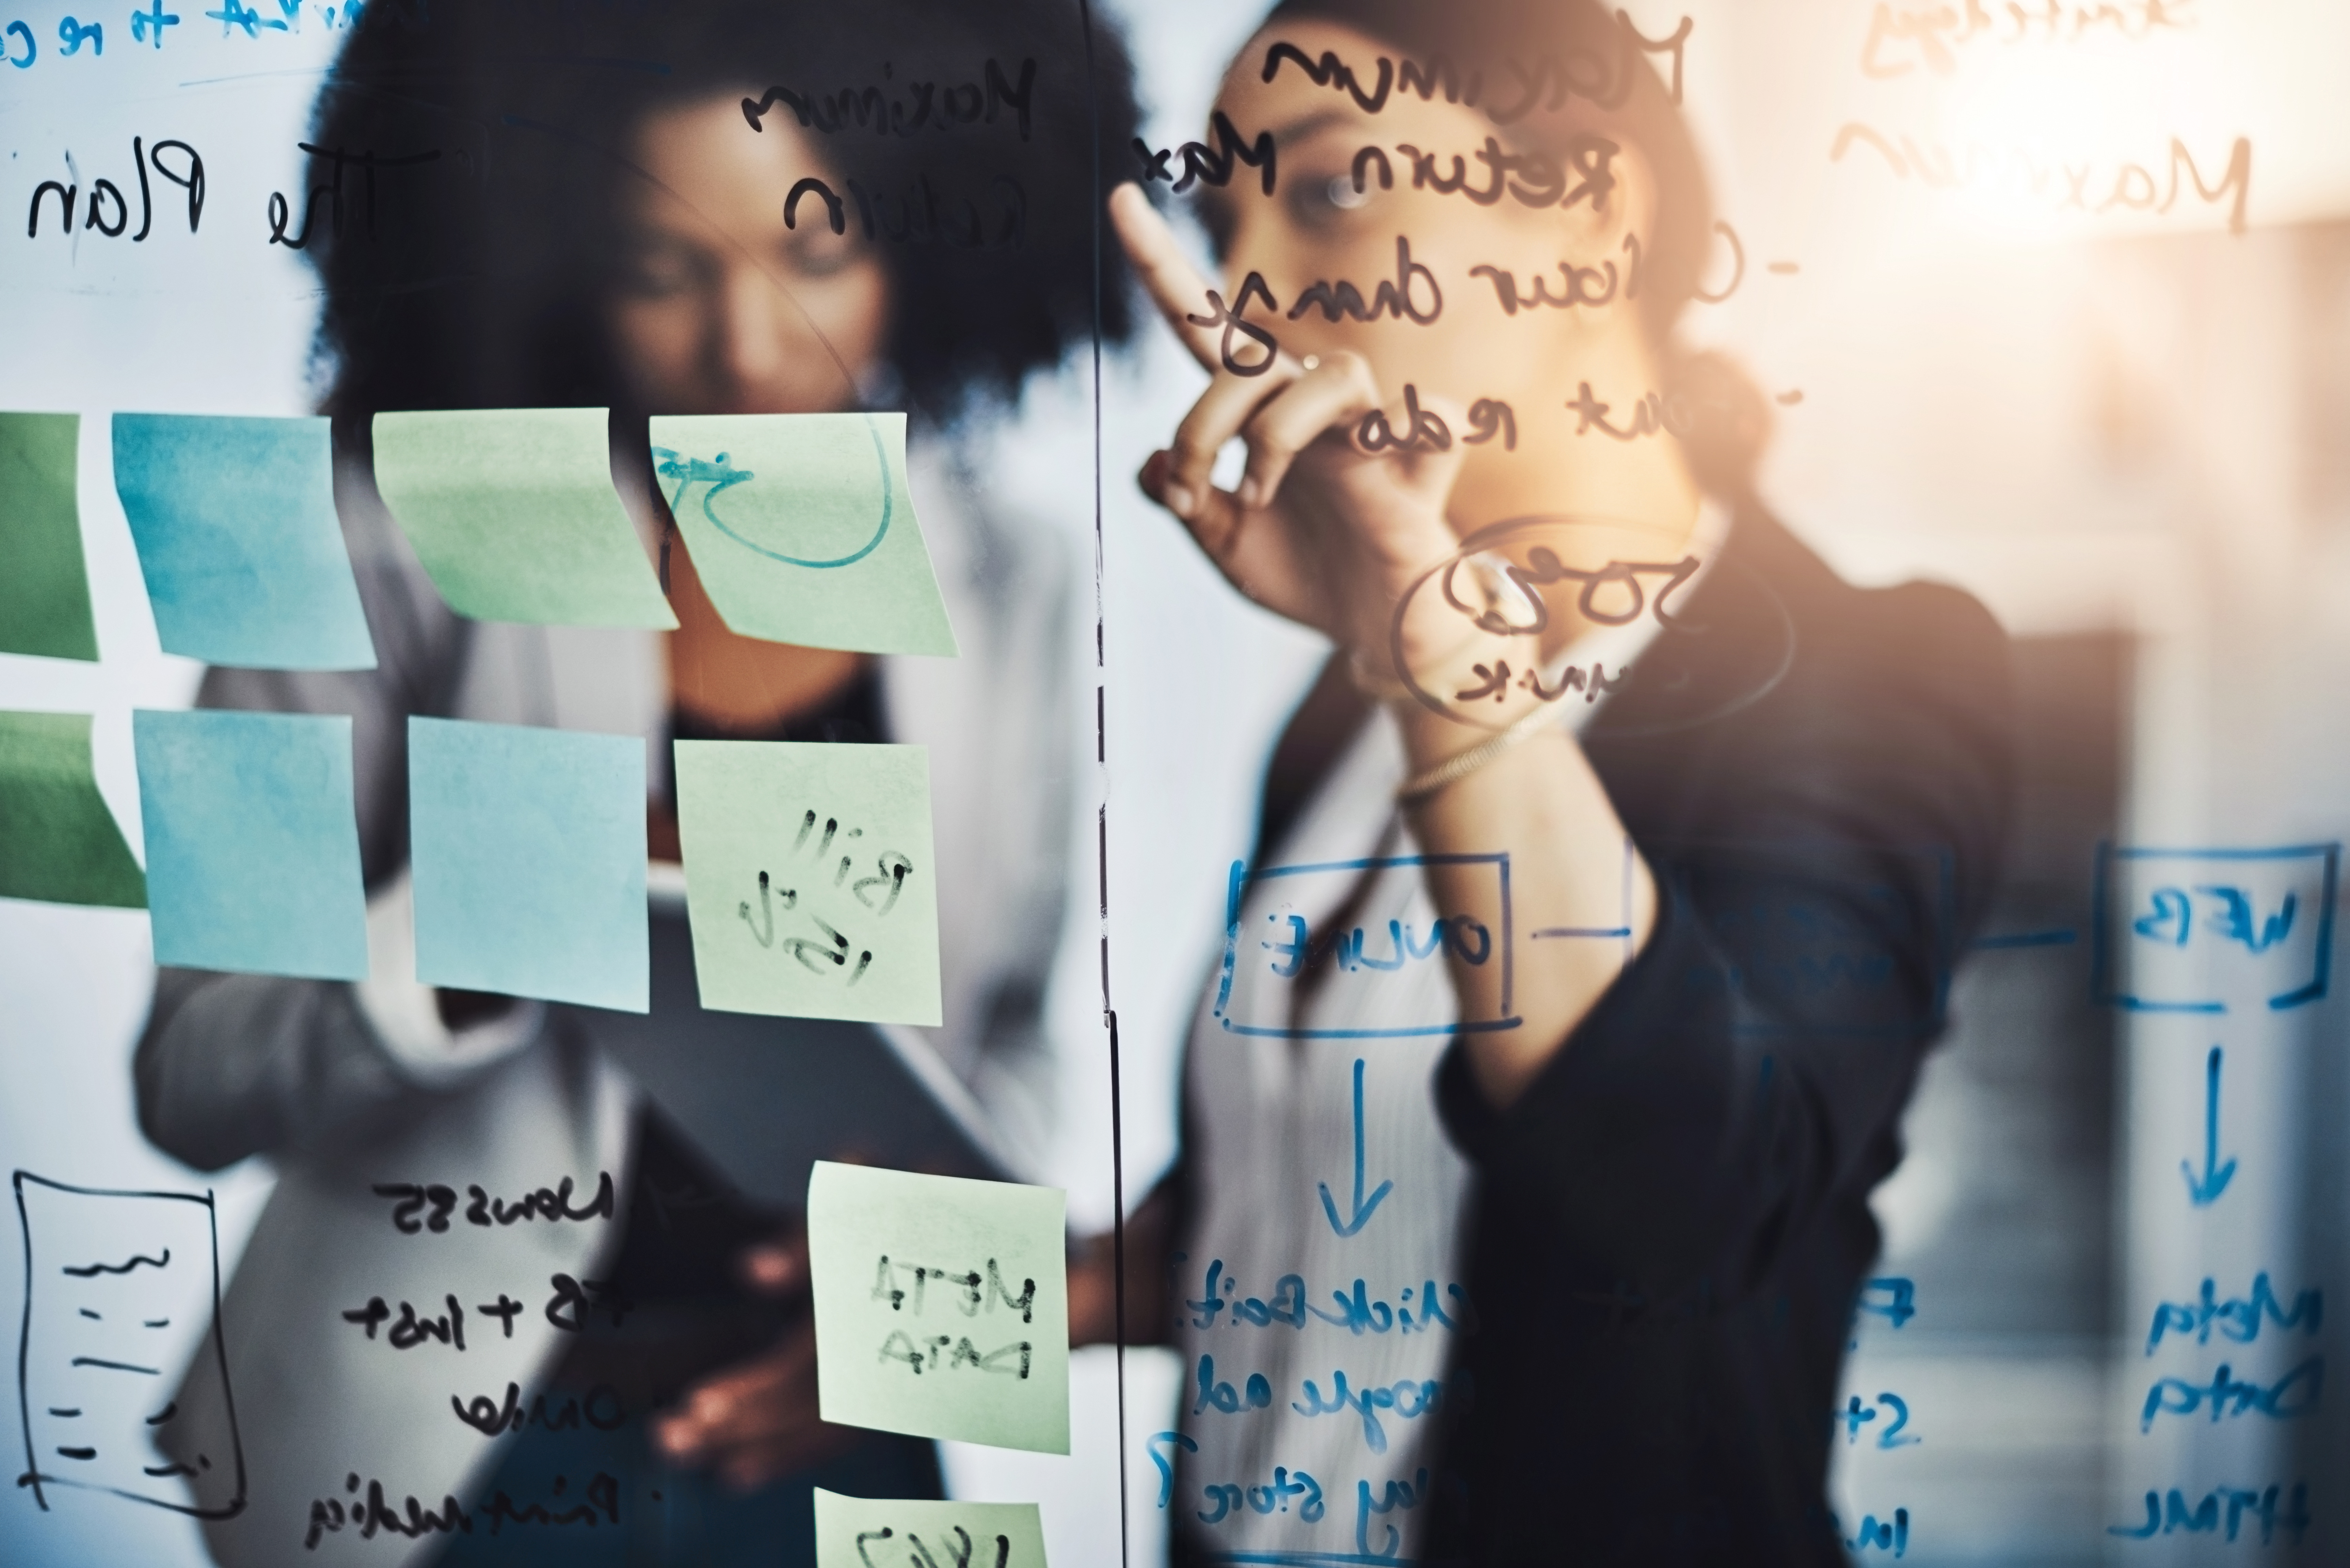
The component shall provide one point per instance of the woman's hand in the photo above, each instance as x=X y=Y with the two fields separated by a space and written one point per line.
x=1319 y=530
x=757 y=1419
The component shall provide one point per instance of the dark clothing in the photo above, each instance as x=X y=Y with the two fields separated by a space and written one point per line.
x=1671 y=1225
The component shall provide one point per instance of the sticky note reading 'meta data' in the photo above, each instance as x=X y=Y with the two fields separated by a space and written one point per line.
x=802 y=527
x=57 y=841
x=45 y=588
x=809 y=878
x=234 y=521
x=252 y=846
x=941 y=1306
x=513 y=512
x=883 y=1532
x=526 y=848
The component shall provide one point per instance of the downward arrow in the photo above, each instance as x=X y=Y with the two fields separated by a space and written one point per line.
x=2204 y=1191
x=1363 y=1210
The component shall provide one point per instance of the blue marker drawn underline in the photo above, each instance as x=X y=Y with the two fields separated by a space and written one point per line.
x=696 y=472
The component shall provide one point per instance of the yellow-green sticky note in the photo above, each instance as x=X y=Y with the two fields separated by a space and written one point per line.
x=59 y=842
x=885 y=1533
x=45 y=587
x=802 y=527
x=809 y=880
x=513 y=512
x=941 y=1306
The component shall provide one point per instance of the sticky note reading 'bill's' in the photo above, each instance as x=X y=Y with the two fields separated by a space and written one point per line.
x=527 y=852
x=234 y=521
x=513 y=512
x=884 y=1532
x=44 y=588
x=809 y=878
x=252 y=847
x=57 y=841
x=941 y=1306
x=802 y=527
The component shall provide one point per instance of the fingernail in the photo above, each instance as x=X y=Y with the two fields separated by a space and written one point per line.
x=1252 y=492
x=1179 y=499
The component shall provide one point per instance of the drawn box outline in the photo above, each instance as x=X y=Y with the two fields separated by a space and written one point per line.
x=2102 y=992
x=33 y=1476
x=1240 y=879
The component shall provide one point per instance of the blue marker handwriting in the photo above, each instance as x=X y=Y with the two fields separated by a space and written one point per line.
x=2238 y=1318
x=1889 y=1536
x=1301 y=950
x=1891 y=1298
x=1856 y=1414
x=1409 y=1399
x=1398 y=1494
x=2292 y=1395
x=2170 y=1515
x=1357 y=1313
x=2228 y=917
x=1229 y=1497
x=1223 y=1397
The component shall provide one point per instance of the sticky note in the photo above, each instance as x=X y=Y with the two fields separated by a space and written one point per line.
x=513 y=512
x=44 y=591
x=941 y=1306
x=235 y=521
x=802 y=527
x=253 y=844
x=809 y=880
x=883 y=1532
x=526 y=849
x=57 y=841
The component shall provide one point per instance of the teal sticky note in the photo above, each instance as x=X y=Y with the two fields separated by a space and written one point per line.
x=44 y=588
x=887 y=1532
x=513 y=512
x=235 y=521
x=809 y=880
x=941 y=1305
x=526 y=849
x=253 y=844
x=802 y=527
x=59 y=842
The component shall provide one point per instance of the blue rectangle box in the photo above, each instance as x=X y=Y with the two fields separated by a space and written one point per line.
x=2213 y=931
x=253 y=848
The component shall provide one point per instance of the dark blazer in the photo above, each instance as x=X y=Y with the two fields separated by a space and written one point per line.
x=1671 y=1224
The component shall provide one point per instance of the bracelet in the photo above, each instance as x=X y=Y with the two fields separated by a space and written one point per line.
x=1452 y=769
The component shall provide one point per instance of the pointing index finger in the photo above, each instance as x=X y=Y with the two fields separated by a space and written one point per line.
x=1175 y=286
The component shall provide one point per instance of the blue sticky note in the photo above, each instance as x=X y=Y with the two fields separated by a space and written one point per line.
x=234 y=521
x=528 y=850
x=252 y=846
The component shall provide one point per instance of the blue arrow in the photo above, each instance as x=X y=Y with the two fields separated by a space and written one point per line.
x=1363 y=1210
x=2206 y=1190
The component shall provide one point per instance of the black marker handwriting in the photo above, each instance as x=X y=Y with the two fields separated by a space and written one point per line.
x=1533 y=179
x=960 y=1558
x=1228 y=317
x=1489 y=417
x=1426 y=430
x=368 y=162
x=971 y=1290
x=1211 y=165
x=1394 y=296
x=1544 y=567
x=602 y=1410
x=552 y=1203
x=91 y=1271
x=1547 y=81
x=852 y=108
x=1582 y=285
x=105 y=192
x=901 y=1346
x=2133 y=20
x=2133 y=187
x=371 y=1514
x=918 y=217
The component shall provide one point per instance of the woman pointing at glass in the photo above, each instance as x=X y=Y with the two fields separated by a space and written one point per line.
x=1606 y=879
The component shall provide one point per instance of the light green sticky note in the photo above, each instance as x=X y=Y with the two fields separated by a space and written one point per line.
x=887 y=1532
x=513 y=512
x=809 y=879
x=802 y=527
x=941 y=1306
x=45 y=587
x=59 y=842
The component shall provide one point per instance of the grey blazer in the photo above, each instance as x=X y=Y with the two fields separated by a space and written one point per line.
x=232 y=1066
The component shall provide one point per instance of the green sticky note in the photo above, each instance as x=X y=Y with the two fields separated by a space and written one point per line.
x=513 y=512
x=57 y=841
x=44 y=588
x=809 y=879
x=886 y=1532
x=802 y=527
x=941 y=1306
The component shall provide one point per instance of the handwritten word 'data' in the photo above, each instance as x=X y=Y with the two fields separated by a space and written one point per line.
x=371 y=1514
x=551 y=1203
x=2238 y=1318
x=2132 y=186
x=2171 y=1515
x=923 y=1355
x=1358 y=1313
x=1937 y=30
x=917 y=106
x=1602 y=76
x=106 y=210
x=1423 y=429
x=2288 y=1398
